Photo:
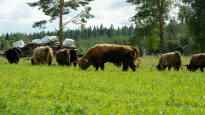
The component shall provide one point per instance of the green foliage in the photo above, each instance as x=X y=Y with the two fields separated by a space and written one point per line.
x=196 y=21
x=54 y=90
x=149 y=11
x=152 y=43
x=51 y=8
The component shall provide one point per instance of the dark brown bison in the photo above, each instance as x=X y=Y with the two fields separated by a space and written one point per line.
x=118 y=54
x=13 y=55
x=42 y=55
x=197 y=61
x=169 y=60
x=66 y=56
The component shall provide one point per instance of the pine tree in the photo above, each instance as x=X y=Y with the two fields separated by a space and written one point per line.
x=150 y=13
x=58 y=8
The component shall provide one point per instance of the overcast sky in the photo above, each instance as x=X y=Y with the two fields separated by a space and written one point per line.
x=19 y=17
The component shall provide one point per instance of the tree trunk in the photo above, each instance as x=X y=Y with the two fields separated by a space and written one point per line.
x=61 y=33
x=161 y=24
x=161 y=34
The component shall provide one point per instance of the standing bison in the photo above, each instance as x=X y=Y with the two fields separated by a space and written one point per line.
x=169 y=60
x=13 y=55
x=117 y=54
x=66 y=57
x=42 y=55
x=197 y=61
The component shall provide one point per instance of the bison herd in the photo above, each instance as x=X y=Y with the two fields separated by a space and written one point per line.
x=123 y=56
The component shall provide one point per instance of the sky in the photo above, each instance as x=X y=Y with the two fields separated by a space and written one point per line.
x=19 y=17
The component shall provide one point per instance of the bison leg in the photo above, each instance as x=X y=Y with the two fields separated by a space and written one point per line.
x=49 y=62
x=17 y=60
x=169 y=68
x=32 y=61
x=102 y=66
x=96 y=68
x=202 y=69
x=132 y=66
x=125 y=66
x=177 y=68
x=10 y=61
x=74 y=64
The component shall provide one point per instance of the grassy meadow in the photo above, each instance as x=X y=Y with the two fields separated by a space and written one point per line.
x=55 y=90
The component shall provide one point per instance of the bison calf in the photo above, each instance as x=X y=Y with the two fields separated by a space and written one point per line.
x=116 y=54
x=42 y=55
x=169 y=60
x=197 y=61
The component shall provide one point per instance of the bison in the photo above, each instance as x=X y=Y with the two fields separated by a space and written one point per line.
x=27 y=50
x=117 y=54
x=197 y=61
x=42 y=55
x=169 y=60
x=13 y=55
x=66 y=56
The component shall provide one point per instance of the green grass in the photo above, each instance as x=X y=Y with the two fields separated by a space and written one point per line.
x=54 y=90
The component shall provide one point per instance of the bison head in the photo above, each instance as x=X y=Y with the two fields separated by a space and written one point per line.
x=83 y=63
x=159 y=67
x=190 y=67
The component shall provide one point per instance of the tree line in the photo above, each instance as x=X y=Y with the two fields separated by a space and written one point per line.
x=176 y=36
x=91 y=34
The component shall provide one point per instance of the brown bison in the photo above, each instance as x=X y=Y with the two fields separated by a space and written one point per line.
x=118 y=54
x=197 y=61
x=169 y=60
x=42 y=55
x=66 y=56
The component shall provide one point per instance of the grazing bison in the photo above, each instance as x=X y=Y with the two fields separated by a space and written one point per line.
x=66 y=56
x=197 y=61
x=42 y=55
x=13 y=55
x=169 y=60
x=117 y=54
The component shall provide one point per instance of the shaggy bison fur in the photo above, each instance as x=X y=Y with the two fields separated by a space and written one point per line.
x=42 y=55
x=13 y=55
x=169 y=60
x=197 y=61
x=66 y=57
x=117 y=54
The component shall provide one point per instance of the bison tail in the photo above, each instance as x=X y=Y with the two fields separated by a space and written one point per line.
x=136 y=52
